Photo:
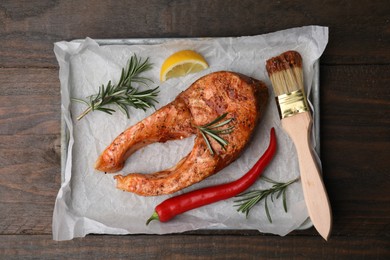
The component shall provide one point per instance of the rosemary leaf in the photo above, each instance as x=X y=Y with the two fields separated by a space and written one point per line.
x=123 y=94
x=266 y=211
x=210 y=130
x=207 y=143
x=279 y=193
x=249 y=199
x=226 y=131
x=80 y=101
x=216 y=120
x=221 y=124
x=216 y=137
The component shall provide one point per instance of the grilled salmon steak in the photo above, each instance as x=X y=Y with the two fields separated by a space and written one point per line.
x=242 y=98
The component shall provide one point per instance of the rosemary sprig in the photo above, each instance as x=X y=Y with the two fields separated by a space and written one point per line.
x=251 y=198
x=210 y=130
x=123 y=94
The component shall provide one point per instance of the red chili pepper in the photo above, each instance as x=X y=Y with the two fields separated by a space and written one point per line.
x=195 y=199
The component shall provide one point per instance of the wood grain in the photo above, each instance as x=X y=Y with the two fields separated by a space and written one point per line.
x=355 y=123
x=194 y=247
x=316 y=198
x=30 y=101
x=29 y=149
x=357 y=184
x=359 y=33
x=355 y=144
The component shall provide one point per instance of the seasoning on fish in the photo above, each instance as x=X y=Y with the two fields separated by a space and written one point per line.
x=242 y=98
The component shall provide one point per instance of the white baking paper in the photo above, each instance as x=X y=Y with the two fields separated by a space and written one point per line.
x=88 y=201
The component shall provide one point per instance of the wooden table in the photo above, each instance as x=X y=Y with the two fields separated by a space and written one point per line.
x=355 y=123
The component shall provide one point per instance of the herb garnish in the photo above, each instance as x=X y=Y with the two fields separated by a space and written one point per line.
x=123 y=94
x=211 y=130
x=251 y=198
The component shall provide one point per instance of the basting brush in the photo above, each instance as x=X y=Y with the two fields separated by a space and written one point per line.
x=286 y=75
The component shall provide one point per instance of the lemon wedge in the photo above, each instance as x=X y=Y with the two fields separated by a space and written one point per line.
x=182 y=63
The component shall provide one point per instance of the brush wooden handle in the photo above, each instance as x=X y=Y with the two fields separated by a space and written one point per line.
x=316 y=198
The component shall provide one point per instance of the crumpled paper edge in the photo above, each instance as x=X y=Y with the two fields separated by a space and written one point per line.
x=87 y=225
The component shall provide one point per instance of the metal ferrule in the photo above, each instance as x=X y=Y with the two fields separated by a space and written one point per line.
x=292 y=103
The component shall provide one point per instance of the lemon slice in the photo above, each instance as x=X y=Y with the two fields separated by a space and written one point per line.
x=182 y=63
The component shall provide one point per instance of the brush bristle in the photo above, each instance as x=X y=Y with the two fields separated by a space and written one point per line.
x=285 y=72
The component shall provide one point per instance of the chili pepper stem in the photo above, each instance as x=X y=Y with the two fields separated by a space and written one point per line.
x=153 y=217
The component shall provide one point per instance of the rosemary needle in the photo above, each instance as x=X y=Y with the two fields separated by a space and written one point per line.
x=123 y=94
x=210 y=130
x=251 y=198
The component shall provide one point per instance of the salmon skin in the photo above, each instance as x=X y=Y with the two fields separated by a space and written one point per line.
x=243 y=98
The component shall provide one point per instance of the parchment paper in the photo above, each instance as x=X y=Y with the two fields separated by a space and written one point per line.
x=88 y=201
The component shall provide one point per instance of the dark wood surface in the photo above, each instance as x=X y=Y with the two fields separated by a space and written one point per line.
x=355 y=123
